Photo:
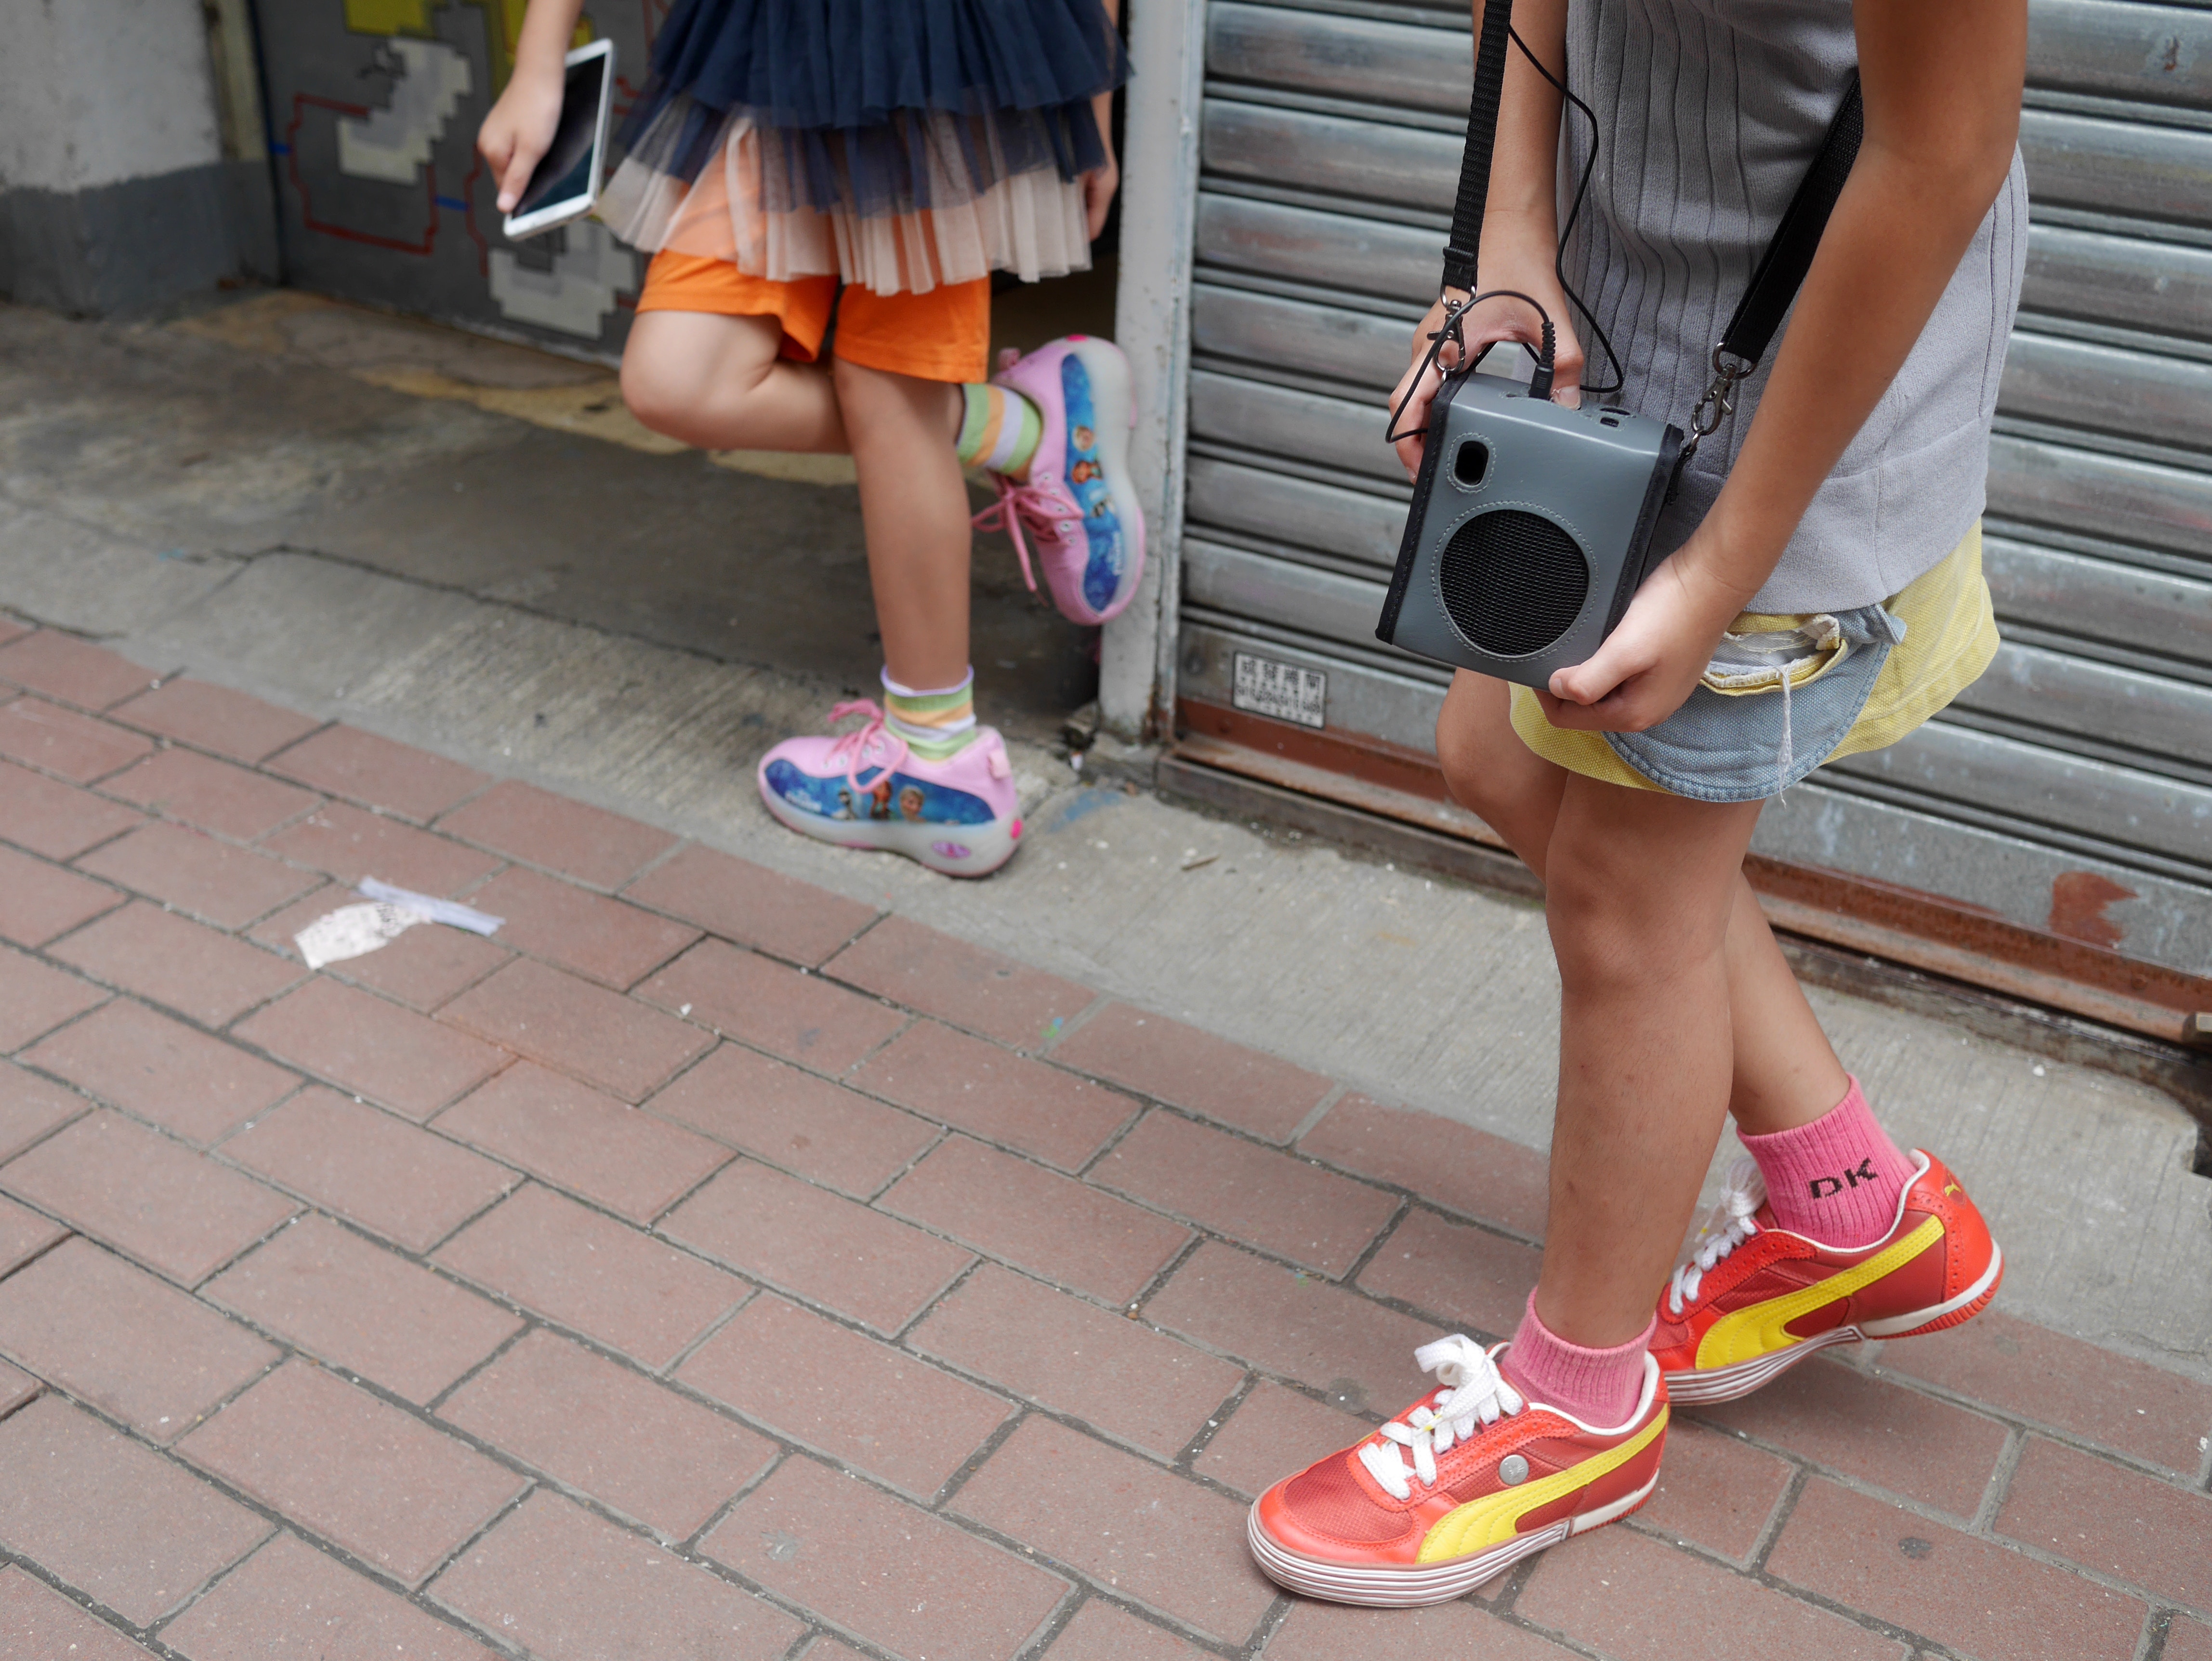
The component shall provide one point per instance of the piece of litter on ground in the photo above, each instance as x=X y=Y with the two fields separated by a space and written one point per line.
x=451 y=912
x=1193 y=865
x=354 y=931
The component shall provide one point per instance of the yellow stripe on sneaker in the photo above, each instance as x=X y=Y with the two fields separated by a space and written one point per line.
x=1496 y=1517
x=1748 y=1334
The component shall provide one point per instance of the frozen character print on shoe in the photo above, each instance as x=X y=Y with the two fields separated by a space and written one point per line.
x=867 y=789
x=1075 y=504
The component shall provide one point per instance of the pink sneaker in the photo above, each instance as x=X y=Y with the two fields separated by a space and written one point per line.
x=1078 y=503
x=865 y=788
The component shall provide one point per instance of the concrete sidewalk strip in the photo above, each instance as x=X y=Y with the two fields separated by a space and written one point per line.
x=720 y=1262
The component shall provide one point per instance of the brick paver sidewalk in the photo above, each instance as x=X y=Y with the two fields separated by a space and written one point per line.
x=709 y=1266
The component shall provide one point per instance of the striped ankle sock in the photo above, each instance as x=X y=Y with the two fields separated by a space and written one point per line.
x=998 y=429
x=935 y=725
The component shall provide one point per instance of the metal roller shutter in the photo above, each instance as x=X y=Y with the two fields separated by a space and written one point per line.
x=2070 y=791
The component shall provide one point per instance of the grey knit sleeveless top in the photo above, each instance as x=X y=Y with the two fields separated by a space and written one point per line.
x=1709 y=113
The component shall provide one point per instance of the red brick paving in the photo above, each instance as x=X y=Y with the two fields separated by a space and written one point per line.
x=863 y=1265
x=371 y=1047
x=57 y=740
x=23 y=1235
x=1280 y=1204
x=157 y=1068
x=210 y=794
x=362 y=1164
x=75 y=671
x=751 y=906
x=323 y=1289
x=1816 y=1534
x=580 y=1139
x=56 y=819
x=338 y=1463
x=821 y=1130
x=422 y=969
x=772 y=1007
x=349 y=843
x=290 y=1600
x=378 y=773
x=883 y=1569
x=236 y=725
x=1037 y=1219
x=960 y=983
x=1138 y=1530
x=1180 y=1064
x=572 y=1587
x=35 y=998
x=109 y=1516
x=583 y=1269
x=228 y=887
x=811 y=1379
x=979 y=1088
x=36 y=1621
x=636 y=1447
x=38 y=901
x=2121 y=1523
x=153 y=1199
x=1074 y=1358
x=571 y=1025
x=603 y=940
x=204 y=974
x=593 y=846
x=30 y=1107
x=132 y=1346
x=1958 y=1589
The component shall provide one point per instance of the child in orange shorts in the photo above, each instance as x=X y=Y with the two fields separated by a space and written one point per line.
x=793 y=162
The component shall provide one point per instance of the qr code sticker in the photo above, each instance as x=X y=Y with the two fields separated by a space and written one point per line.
x=1282 y=691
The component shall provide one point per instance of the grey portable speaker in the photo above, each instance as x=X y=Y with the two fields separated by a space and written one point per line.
x=1530 y=529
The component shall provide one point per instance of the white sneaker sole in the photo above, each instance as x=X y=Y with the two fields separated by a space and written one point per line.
x=982 y=848
x=1708 y=1385
x=1431 y=1583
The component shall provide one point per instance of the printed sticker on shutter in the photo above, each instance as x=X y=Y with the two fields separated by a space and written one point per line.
x=1282 y=691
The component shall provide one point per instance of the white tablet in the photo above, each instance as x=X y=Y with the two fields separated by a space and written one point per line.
x=567 y=177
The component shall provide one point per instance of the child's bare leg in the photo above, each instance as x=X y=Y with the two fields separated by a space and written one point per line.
x=1784 y=1072
x=914 y=503
x=716 y=382
x=1640 y=887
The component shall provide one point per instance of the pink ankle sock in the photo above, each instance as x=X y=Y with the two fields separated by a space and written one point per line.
x=1598 y=1386
x=1836 y=1179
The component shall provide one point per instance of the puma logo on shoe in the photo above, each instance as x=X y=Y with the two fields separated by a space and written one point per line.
x=1823 y=1187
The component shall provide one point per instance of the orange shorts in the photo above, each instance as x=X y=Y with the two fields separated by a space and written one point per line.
x=943 y=335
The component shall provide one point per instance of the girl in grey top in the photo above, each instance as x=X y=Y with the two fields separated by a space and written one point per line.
x=1821 y=591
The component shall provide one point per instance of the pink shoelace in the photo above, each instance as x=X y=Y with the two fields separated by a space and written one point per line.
x=871 y=744
x=1044 y=508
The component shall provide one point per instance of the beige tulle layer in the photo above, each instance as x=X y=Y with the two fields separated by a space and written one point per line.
x=1031 y=223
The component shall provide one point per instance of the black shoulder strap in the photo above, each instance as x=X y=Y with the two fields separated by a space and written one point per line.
x=1781 y=269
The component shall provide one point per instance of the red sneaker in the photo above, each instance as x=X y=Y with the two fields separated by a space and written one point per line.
x=1755 y=1299
x=1461 y=1485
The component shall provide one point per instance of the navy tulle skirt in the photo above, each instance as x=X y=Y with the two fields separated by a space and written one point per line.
x=898 y=143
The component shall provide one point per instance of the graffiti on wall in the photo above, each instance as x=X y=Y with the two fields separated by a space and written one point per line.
x=375 y=106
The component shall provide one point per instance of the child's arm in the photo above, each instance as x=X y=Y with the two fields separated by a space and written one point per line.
x=1520 y=226
x=1942 y=87
x=1100 y=183
x=519 y=128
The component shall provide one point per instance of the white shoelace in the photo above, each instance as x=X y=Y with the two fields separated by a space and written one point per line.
x=1727 y=1227
x=1474 y=1390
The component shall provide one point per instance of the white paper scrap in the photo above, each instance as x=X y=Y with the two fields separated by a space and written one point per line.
x=437 y=911
x=353 y=931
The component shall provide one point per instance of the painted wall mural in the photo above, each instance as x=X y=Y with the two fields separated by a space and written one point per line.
x=373 y=106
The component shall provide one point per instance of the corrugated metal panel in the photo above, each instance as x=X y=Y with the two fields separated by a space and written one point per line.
x=1330 y=148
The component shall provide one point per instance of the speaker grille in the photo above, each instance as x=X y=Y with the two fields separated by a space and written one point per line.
x=1513 y=582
